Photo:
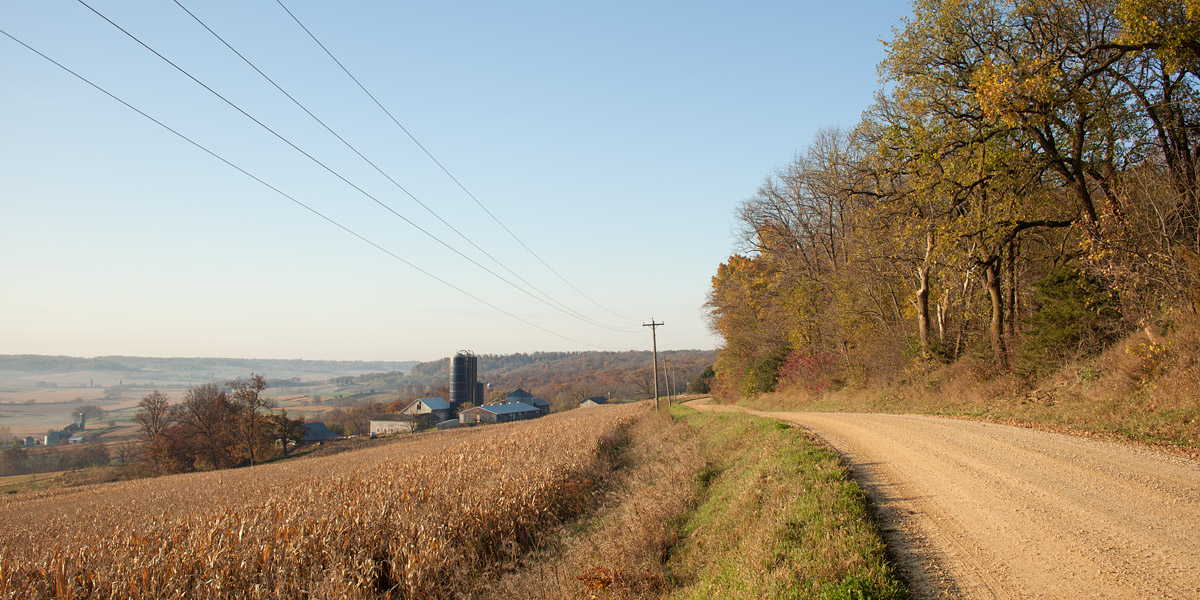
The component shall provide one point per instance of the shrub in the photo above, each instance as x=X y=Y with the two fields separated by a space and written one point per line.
x=763 y=373
x=1076 y=317
x=811 y=370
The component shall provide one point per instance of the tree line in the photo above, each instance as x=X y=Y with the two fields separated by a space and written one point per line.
x=214 y=427
x=16 y=459
x=1023 y=191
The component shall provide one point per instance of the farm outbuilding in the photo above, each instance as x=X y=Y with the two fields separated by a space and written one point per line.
x=56 y=438
x=318 y=432
x=593 y=401
x=520 y=396
x=386 y=427
x=539 y=404
x=499 y=413
x=438 y=407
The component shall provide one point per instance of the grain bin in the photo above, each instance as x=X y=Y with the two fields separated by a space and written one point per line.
x=463 y=374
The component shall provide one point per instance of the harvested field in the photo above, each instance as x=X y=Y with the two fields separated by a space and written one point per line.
x=431 y=516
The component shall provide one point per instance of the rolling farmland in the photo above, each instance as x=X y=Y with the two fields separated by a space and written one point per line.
x=422 y=517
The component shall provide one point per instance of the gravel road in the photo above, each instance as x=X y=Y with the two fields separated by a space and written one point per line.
x=979 y=510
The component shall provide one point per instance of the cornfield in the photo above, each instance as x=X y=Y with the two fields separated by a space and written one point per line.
x=432 y=516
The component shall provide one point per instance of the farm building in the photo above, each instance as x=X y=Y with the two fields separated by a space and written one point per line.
x=438 y=407
x=465 y=388
x=56 y=438
x=520 y=396
x=593 y=401
x=538 y=403
x=318 y=432
x=499 y=413
x=385 y=427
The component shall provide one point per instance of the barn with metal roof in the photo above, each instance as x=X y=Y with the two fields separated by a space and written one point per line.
x=520 y=396
x=499 y=413
x=438 y=407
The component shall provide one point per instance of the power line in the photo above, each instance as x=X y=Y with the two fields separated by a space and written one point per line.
x=331 y=170
x=298 y=202
x=387 y=176
x=444 y=169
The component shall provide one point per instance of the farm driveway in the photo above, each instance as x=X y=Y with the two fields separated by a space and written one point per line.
x=979 y=510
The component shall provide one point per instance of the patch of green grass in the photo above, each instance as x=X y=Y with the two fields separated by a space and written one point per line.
x=14 y=484
x=778 y=517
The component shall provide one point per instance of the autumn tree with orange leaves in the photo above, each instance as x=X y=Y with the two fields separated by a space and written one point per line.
x=1011 y=139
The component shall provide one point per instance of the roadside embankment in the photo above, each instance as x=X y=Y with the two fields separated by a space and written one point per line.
x=716 y=506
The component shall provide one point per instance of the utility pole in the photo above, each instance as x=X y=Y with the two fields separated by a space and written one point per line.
x=674 y=385
x=667 y=378
x=668 y=369
x=654 y=341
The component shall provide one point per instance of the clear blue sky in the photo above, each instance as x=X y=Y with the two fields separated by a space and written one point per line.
x=615 y=138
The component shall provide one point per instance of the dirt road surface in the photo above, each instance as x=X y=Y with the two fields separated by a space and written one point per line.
x=979 y=510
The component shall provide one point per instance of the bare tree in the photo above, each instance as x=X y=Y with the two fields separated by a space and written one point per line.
x=154 y=414
x=643 y=379
x=578 y=393
x=359 y=419
x=87 y=412
x=124 y=451
x=207 y=415
x=287 y=430
x=247 y=395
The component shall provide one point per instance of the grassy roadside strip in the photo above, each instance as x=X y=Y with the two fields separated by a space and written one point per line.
x=713 y=505
x=619 y=551
x=777 y=517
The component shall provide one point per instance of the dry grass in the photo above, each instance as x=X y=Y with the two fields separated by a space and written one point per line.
x=614 y=502
x=1141 y=389
x=621 y=551
x=715 y=506
x=432 y=516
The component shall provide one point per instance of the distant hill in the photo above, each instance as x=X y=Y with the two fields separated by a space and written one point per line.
x=563 y=378
x=109 y=370
x=42 y=365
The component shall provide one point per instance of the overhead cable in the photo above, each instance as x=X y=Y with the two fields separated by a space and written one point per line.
x=389 y=177
x=334 y=172
x=443 y=167
x=299 y=203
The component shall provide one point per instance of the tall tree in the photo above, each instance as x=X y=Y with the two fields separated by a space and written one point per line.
x=253 y=426
x=286 y=430
x=87 y=412
x=209 y=422
x=154 y=414
x=981 y=173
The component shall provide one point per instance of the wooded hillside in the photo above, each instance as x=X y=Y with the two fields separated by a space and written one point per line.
x=1023 y=192
x=563 y=378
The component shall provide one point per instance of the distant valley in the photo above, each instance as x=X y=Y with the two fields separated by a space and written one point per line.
x=29 y=372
